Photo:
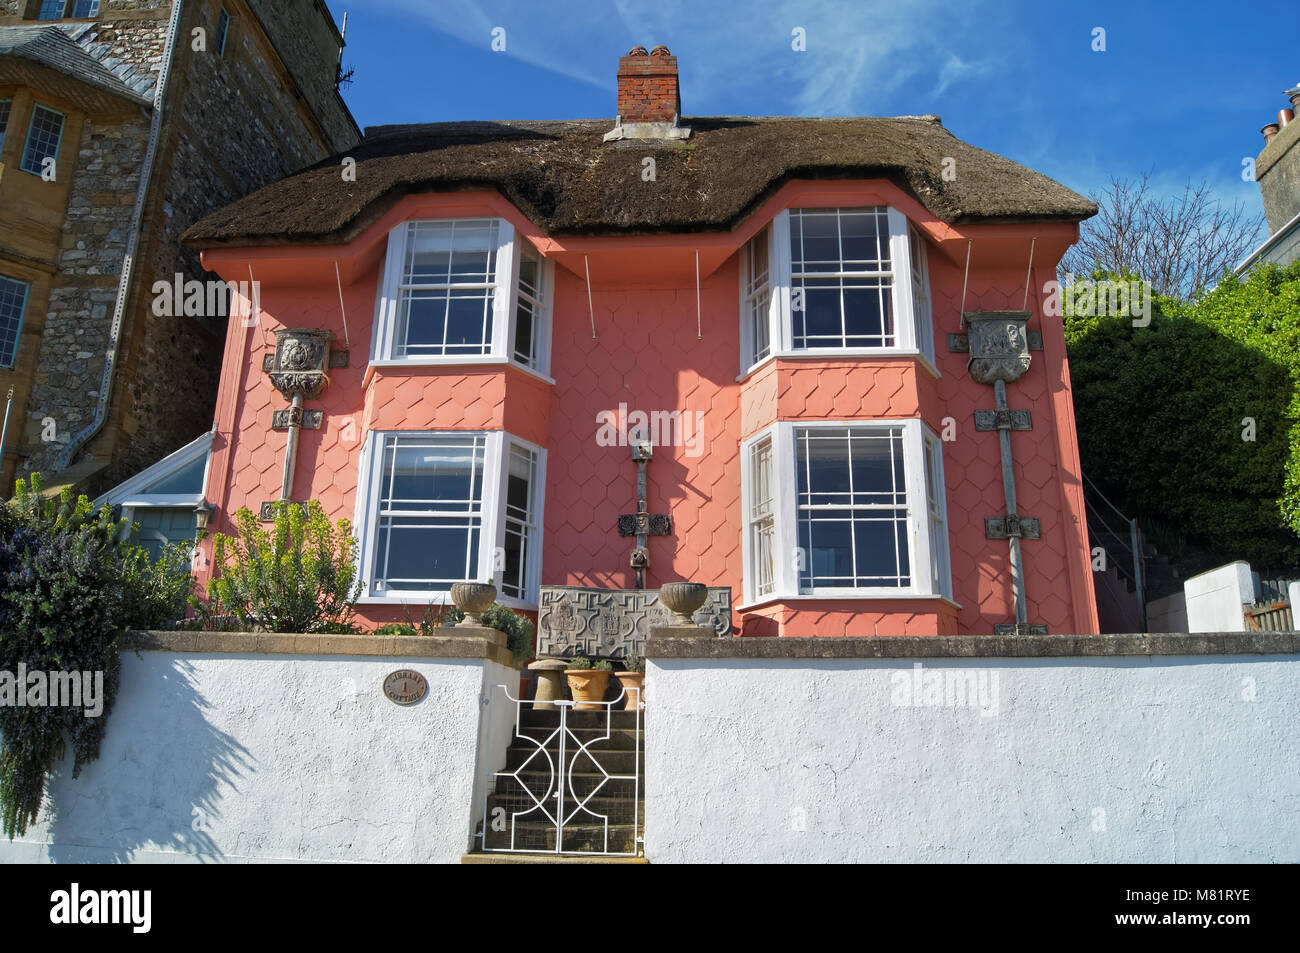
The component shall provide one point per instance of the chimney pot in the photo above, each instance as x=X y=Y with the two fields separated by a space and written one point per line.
x=1269 y=132
x=660 y=50
x=1294 y=95
x=1284 y=117
x=638 y=51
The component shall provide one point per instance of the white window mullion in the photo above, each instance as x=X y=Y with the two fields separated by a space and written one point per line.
x=779 y=265
x=534 y=580
x=386 y=325
x=493 y=533
x=918 y=507
x=786 y=530
x=904 y=320
x=545 y=317
x=365 y=514
x=506 y=297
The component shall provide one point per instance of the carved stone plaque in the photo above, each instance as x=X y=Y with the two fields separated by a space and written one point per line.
x=300 y=363
x=306 y=419
x=614 y=623
x=999 y=346
x=647 y=524
x=405 y=686
x=1004 y=527
x=1003 y=420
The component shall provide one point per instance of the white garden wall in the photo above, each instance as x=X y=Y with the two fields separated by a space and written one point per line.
x=1132 y=759
x=268 y=757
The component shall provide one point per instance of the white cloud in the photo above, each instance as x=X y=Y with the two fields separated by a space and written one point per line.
x=857 y=52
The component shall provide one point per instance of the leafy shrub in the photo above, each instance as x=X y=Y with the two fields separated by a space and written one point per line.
x=633 y=663
x=299 y=576
x=1160 y=413
x=396 y=628
x=579 y=663
x=604 y=665
x=71 y=583
x=518 y=628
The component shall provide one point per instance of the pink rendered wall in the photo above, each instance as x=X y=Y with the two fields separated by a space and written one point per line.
x=647 y=354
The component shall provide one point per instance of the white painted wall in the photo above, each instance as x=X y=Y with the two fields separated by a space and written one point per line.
x=1215 y=598
x=273 y=758
x=1129 y=759
x=1168 y=614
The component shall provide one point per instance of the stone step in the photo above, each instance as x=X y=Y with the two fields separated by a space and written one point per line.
x=579 y=784
x=510 y=858
x=598 y=738
x=543 y=718
x=612 y=762
x=530 y=836
x=618 y=808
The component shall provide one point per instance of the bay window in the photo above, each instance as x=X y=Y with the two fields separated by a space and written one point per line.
x=434 y=508
x=463 y=291
x=845 y=509
x=836 y=281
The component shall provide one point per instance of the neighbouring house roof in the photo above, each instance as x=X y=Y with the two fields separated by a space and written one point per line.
x=71 y=50
x=566 y=180
x=147 y=483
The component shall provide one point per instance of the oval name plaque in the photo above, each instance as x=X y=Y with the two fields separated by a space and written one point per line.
x=405 y=687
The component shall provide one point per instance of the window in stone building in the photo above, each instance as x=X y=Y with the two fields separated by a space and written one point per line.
x=223 y=31
x=13 y=302
x=43 y=138
x=77 y=9
x=4 y=119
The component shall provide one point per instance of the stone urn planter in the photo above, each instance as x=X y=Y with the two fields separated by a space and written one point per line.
x=588 y=682
x=683 y=599
x=473 y=599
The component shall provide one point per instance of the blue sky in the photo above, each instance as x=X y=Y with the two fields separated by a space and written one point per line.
x=1180 y=91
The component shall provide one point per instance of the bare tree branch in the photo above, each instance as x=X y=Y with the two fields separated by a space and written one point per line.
x=1180 y=244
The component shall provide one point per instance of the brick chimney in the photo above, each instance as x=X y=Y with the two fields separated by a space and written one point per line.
x=1277 y=170
x=649 y=101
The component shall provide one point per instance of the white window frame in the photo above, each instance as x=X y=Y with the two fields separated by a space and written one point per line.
x=132 y=494
x=505 y=301
x=492 y=530
x=786 y=530
x=913 y=329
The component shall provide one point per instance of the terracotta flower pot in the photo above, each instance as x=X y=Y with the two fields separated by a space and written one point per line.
x=588 y=687
x=631 y=682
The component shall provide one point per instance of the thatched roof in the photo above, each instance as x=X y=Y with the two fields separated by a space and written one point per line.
x=567 y=181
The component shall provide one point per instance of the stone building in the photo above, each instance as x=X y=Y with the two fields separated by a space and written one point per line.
x=1277 y=170
x=122 y=123
x=803 y=360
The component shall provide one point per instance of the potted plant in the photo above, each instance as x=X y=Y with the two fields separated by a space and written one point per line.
x=588 y=681
x=632 y=677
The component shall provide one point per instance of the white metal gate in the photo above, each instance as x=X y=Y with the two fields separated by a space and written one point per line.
x=572 y=780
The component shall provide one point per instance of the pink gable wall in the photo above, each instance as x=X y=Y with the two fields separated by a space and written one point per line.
x=647 y=355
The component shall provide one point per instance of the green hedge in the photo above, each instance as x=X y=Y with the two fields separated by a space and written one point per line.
x=1161 y=411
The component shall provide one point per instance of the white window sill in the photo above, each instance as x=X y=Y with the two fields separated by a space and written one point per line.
x=823 y=354
x=459 y=361
x=855 y=595
x=416 y=602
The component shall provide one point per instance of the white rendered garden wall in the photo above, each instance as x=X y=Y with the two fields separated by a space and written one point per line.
x=1129 y=758
x=213 y=756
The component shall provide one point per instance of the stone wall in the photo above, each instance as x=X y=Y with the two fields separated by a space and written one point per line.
x=232 y=124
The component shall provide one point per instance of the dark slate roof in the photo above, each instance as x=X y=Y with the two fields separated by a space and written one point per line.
x=566 y=180
x=70 y=49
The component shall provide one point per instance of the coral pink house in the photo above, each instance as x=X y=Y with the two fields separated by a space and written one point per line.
x=773 y=299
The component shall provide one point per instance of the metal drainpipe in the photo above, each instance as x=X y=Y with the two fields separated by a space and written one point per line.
x=132 y=242
x=1009 y=493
